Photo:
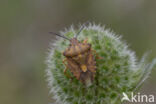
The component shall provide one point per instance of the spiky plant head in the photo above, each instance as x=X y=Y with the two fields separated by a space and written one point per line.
x=118 y=71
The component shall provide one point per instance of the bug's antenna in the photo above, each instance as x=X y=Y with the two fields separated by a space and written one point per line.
x=59 y=35
x=82 y=27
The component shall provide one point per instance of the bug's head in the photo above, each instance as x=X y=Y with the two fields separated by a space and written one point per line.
x=75 y=46
x=74 y=41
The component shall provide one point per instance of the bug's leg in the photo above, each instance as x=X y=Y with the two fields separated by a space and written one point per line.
x=66 y=68
x=64 y=60
x=97 y=56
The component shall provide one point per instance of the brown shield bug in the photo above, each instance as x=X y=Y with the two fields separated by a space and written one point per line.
x=79 y=59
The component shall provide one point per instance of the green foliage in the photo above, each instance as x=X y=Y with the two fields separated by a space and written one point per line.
x=117 y=72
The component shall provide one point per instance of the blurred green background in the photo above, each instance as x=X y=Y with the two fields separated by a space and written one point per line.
x=24 y=39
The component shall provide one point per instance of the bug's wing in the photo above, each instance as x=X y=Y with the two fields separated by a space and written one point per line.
x=74 y=68
x=91 y=63
x=88 y=76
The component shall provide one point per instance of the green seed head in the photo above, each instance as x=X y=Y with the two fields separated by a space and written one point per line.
x=119 y=71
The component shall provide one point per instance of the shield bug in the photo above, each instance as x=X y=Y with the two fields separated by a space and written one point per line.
x=79 y=58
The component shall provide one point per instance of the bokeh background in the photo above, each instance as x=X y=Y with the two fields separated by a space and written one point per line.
x=24 y=39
